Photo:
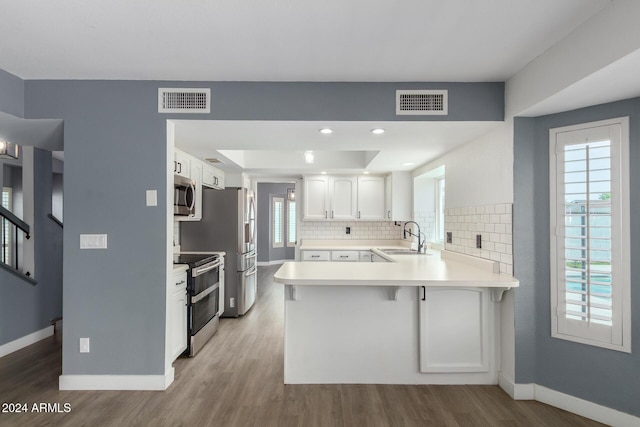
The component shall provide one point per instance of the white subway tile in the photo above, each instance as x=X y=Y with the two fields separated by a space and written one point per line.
x=499 y=209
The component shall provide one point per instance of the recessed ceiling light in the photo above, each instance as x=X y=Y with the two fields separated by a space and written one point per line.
x=377 y=131
x=366 y=172
x=407 y=164
x=308 y=157
x=326 y=131
x=323 y=172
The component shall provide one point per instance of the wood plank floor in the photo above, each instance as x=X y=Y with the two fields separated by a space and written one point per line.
x=237 y=380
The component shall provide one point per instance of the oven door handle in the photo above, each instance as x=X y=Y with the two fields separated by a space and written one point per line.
x=204 y=293
x=200 y=270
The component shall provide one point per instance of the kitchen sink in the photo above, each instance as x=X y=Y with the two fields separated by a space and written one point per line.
x=406 y=251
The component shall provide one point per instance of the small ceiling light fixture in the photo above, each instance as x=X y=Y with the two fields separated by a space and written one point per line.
x=326 y=131
x=407 y=164
x=377 y=131
x=308 y=157
x=323 y=172
x=291 y=194
x=366 y=172
x=8 y=150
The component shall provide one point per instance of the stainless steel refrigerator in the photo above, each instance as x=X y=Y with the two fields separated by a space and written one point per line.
x=228 y=224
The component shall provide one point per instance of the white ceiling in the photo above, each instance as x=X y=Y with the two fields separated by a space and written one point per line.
x=282 y=40
x=305 y=40
x=277 y=147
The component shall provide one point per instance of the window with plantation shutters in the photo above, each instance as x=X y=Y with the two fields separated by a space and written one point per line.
x=590 y=251
x=278 y=222
x=291 y=223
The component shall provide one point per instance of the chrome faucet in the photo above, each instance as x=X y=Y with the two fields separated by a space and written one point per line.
x=405 y=232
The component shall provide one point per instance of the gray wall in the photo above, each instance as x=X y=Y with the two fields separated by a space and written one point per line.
x=25 y=308
x=264 y=211
x=114 y=143
x=599 y=375
x=11 y=94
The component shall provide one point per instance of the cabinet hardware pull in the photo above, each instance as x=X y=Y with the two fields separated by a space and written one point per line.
x=389 y=215
x=331 y=214
x=358 y=214
x=325 y=214
x=424 y=293
x=175 y=166
x=179 y=167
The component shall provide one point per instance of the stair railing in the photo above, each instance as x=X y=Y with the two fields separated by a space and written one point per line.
x=19 y=226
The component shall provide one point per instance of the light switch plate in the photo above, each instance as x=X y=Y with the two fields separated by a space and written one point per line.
x=152 y=197
x=93 y=241
x=84 y=345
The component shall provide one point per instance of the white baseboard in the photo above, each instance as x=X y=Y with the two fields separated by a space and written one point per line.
x=567 y=402
x=25 y=341
x=267 y=263
x=116 y=382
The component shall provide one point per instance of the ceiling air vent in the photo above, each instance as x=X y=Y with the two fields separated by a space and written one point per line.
x=422 y=102
x=184 y=100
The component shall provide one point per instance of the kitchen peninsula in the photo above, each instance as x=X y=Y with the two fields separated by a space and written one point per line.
x=410 y=319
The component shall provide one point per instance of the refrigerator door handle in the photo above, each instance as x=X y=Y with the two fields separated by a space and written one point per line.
x=251 y=272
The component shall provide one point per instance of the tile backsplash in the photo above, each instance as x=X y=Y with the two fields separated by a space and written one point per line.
x=360 y=230
x=492 y=222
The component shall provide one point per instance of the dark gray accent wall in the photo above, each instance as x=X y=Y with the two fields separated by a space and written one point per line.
x=114 y=143
x=266 y=192
x=606 y=377
x=24 y=308
x=11 y=94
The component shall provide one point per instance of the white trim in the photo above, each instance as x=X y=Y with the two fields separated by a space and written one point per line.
x=584 y=408
x=25 y=341
x=567 y=402
x=274 y=262
x=116 y=382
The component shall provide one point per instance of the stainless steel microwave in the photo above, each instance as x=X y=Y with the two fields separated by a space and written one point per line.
x=184 y=196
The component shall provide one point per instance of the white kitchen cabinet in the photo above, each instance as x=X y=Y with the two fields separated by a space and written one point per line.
x=343 y=198
x=371 y=198
x=177 y=322
x=181 y=164
x=455 y=329
x=398 y=196
x=366 y=256
x=316 y=198
x=212 y=177
x=352 y=256
x=316 y=255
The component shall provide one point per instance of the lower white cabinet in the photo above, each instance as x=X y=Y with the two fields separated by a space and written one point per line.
x=316 y=255
x=177 y=314
x=345 y=256
x=455 y=329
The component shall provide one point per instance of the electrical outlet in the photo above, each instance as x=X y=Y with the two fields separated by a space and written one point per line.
x=232 y=302
x=449 y=237
x=348 y=231
x=84 y=345
x=479 y=241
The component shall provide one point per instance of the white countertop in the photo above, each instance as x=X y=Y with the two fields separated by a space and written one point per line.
x=433 y=269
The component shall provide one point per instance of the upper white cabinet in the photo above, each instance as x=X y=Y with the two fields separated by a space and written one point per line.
x=343 y=199
x=398 y=196
x=349 y=198
x=371 y=197
x=182 y=164
x=212 y=177
x=316 y=197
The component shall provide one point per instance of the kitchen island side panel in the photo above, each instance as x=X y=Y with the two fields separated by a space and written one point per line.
x=361 y=335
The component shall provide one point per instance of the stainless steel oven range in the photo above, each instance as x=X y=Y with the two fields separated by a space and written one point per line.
x=205 y=285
